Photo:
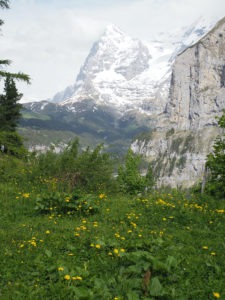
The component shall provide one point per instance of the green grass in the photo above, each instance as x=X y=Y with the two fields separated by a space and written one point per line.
x=33 y=115
x=153 y=247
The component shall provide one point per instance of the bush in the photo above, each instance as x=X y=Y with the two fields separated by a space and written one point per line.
x=130 y=179
x=64 y=203
x=89 y=170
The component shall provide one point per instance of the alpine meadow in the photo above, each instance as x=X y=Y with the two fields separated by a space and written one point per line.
x=126 y=199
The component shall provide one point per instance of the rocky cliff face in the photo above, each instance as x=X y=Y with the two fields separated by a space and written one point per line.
x=188 y=127
x=197 y=92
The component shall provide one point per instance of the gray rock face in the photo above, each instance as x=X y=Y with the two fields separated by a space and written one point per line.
x=197 y=93
x=188 y=128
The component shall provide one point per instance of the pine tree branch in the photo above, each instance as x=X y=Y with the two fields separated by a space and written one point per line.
x=4 y=3
x=18 y=76
x=5 y=62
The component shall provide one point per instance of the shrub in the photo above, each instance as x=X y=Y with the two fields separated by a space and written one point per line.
x=89 y=170
x=130 y=179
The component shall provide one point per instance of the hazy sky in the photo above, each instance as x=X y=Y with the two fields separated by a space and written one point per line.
x=50 y=39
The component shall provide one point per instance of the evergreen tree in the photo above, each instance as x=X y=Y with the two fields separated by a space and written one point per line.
x=216 y=163
x=9 y=106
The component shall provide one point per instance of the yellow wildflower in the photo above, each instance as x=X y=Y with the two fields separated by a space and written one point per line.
x=98 y=246
x=220 y=211
x=67 y=277
x=33 y=243
x=116 y=251
x=216 y=295
x=67 y=199
x=26 y=195
x=77 y=278
x=47 y=231
x=205 y=247
x=60 y=268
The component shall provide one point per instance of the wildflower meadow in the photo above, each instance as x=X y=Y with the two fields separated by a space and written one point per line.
x=59 y=241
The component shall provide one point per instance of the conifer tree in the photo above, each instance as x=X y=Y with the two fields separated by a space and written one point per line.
x=10 y=141
x=9 y=106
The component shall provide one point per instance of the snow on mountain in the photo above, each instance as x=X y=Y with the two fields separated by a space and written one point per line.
x=128 y=74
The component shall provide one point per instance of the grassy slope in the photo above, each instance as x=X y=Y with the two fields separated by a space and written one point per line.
x=108 y=255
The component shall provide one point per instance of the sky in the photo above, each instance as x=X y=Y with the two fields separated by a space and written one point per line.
x=50 y=39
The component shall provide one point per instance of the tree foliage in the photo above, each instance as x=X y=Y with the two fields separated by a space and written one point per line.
x=216 y=163
x=3 y=4
x=9 y=106
x=10 y=141
x=129 y=177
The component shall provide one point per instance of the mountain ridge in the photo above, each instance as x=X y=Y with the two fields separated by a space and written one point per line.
x=161 y=56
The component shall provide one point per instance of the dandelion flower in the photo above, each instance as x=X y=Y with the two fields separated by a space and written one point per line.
x=47 y=231
x=60 y=269
x=216 y=295
x=98 y=246
x=77 y=278
x=116 y=251
x=25 y=195
x=67 y=277
x=205 y=247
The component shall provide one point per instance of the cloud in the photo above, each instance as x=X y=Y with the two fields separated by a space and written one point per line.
x=50 y=39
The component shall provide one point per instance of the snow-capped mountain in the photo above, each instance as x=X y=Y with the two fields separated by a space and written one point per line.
x=127 y=74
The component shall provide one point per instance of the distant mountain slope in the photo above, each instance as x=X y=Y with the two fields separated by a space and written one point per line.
x=121 y=89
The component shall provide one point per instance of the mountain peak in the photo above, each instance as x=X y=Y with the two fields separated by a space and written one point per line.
x=112 y=30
